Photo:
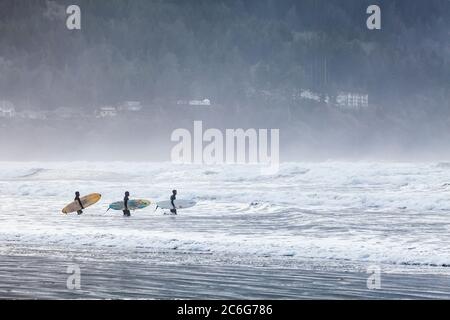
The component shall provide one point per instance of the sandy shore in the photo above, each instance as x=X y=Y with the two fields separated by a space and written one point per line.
x=45 y=277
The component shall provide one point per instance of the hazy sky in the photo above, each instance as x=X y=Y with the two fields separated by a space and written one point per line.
x=250 y=58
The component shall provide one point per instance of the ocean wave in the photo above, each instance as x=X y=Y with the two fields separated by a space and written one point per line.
x=393 y=213
x=443 y=165
x=33 y=172
x=296 y=247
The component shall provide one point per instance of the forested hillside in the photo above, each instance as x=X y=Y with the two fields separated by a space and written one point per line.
x=140 y=49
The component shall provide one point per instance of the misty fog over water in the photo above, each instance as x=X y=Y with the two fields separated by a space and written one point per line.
x=137 y=70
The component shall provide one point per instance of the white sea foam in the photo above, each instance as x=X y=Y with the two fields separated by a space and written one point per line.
x=364 y=212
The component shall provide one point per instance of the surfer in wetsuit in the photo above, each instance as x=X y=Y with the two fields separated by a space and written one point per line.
x=172 y=198
x=77 y=198
x=126 y=212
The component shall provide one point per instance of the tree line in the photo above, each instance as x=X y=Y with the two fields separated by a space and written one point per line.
x=146 y=50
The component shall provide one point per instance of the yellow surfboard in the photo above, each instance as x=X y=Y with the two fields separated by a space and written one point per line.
x=87 y=201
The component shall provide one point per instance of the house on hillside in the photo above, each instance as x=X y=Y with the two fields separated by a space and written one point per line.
x=106 y=112
x=352 y=101
x=305 y=94
x=7 y=109
x=130 y=106
x=204 y=102
x=33 y=114
x=309 y=95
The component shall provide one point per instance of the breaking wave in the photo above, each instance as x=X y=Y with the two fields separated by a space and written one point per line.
x=364 y=212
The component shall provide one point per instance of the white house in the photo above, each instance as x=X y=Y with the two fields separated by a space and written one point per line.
x=352 y=101
x=302 y=94
x=33 y=114
x=7 y=109
x=106 y=112
x=204 y=102
x=309 y=95
x=132 y=106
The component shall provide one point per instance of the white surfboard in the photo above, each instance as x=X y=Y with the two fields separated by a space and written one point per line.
x=179 y=204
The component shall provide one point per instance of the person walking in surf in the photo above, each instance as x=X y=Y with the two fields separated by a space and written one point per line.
x=126 y=212
x=173 y=197
x=77 y=199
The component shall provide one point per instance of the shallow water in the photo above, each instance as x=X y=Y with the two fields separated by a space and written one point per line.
x=340 y=216
x=37 y=277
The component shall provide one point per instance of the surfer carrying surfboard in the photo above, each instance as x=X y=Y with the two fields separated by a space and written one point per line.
x=81 y=203
x=77 y=199
x=126 y=212
x=173 y=197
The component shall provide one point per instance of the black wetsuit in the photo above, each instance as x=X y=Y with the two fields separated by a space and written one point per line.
x=126 y=212
x=77 y=198
x=172 y=198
